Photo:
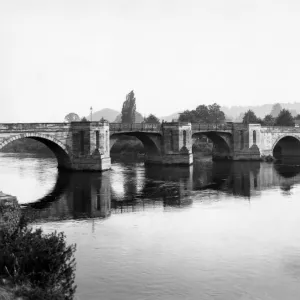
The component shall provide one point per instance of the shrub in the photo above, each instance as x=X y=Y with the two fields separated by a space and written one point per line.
x=41 y=263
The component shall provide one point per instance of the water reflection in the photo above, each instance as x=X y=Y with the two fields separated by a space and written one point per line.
x=131 y=188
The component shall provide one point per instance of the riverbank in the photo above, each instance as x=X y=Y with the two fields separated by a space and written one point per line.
x=33 y=265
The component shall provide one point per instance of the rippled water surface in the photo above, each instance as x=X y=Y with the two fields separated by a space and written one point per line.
x=211 y=231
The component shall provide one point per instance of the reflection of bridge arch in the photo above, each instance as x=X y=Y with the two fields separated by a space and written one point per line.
x=286 y=146
x=150 y=141
x=59 y=149
x=62 y=183
x=222 y=143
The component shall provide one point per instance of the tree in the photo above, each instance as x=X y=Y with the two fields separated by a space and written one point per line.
x=84 y=119
x=276 y=110
x=72 y=117
x=152 y=119
x=188 y=116
x=268 y=120
x=216 y=116
x=129 y=109
x=284 y=118
x=202 y=114
x=250 y=118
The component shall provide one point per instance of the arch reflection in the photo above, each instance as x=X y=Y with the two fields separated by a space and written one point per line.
x=74 y=196
x=93 y=195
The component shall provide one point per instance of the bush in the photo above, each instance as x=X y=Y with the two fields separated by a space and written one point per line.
x=42 y=264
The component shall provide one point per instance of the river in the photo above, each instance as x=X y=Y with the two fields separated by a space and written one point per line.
x=212 y=231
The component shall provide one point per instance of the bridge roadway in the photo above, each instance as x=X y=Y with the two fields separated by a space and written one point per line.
x=86 y=145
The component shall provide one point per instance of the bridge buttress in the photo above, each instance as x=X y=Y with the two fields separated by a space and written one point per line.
x=176 y=144
x=90 y=146
x=246 y=142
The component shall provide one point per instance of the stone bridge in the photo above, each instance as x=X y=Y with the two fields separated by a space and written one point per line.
x=76 y=145
x=86 y=145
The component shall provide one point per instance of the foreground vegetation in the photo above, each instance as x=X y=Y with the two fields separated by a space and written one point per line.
x=35 y=266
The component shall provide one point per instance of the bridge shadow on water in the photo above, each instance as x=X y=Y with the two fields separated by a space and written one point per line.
x=133 y=188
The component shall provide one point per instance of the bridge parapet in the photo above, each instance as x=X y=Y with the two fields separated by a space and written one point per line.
x=281 y=129
x=212 y=127
x=147 y=127
x=144 y=127
x=32 y=126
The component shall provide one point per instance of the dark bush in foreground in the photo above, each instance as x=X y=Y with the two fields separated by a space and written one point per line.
x=42 y=265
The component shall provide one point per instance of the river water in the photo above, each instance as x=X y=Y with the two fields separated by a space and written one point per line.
x=212 y=231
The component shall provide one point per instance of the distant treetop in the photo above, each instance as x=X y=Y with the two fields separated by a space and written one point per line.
x=204 y=114
x=152 y=119
x=72 y=117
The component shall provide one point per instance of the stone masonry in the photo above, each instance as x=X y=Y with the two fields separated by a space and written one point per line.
x=85 y=146
x=81 y=146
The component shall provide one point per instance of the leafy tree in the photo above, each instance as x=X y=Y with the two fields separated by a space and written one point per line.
x=188 y=116
x=72 y=117
x=250 y=118
x=276 y=110
x=216 y=116
x=284 y=118
x=202 y=114
x=152 y=119
x=268 y=120
x=129 y=109
x=84 y=119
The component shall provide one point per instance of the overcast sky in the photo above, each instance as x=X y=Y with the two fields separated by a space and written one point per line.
x=60 y=56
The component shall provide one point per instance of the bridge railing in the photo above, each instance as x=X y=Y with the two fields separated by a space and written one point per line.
x=134 y=127
x=286 y=128
x=210 y=127
x=32 y=126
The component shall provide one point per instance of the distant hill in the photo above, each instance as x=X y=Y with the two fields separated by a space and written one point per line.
x=106 y=113
x=234 y=113
x=237 y=112
x=171 y=117
x=138 y=118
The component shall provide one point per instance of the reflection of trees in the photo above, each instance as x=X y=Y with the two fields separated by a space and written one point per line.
x=166 y=186
x=81 y=195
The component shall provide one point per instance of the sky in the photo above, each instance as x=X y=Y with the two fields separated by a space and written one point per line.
x=61 y=56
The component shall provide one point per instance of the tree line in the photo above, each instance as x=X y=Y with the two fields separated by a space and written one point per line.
x=203 y=114
x=277 y=117
x=211 y=114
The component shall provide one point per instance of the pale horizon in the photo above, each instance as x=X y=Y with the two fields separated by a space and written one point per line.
x=66 y=56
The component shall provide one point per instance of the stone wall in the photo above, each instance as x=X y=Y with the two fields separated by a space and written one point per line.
x=10 y=214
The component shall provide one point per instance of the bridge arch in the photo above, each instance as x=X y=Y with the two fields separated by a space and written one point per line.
x=59 y=149
x=150 y=141
x=286 y=146
x=222 y=143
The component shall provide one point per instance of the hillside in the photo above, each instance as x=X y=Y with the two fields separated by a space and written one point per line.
x=106 y=113
x=236 y=112
x=171 y=117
